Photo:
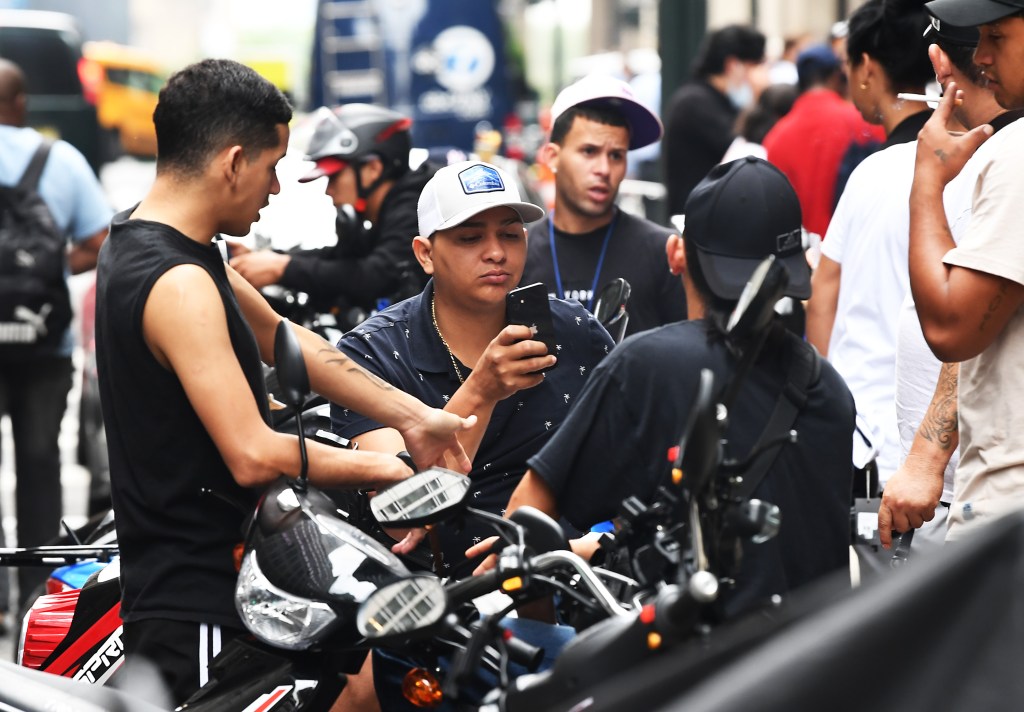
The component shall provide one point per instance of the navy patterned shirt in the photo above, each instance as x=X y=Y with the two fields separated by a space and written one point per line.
x=402 y=346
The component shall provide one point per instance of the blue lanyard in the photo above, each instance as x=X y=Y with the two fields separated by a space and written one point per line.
x=600 y=260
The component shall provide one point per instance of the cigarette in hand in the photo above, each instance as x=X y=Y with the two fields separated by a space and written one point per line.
x=929 y=98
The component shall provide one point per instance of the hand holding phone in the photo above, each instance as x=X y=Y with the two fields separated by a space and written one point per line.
x=529 y=306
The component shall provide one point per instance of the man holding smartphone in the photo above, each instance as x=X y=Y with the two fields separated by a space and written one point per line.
x=452 y=345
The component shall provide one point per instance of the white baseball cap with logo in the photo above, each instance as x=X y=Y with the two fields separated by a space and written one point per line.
x=459 y=191
x=602 y=90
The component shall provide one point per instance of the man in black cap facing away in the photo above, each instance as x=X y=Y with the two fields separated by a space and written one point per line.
x=615 y=440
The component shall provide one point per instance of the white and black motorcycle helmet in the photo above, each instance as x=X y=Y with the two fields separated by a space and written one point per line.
x=355 y=133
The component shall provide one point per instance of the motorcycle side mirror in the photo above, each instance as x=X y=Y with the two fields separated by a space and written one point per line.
x=756 y=305
x=429 y=496
x=540 y=532
x=294 y=381
x=610 y=307
x=290 y=365
x=398 y=609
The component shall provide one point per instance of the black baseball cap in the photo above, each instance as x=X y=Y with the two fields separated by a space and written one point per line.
x=739 y=214
x=971 y=13
x=951 y=34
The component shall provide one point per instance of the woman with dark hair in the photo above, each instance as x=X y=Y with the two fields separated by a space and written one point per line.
x=887 y=54
x=862 y=277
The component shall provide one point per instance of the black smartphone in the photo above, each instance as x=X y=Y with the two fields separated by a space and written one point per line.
x=529 y=306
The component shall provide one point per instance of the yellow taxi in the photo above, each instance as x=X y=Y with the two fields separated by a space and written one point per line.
x=124 y=83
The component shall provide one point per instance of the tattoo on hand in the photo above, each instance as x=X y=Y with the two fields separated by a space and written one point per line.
x=941 y=154
x=941 y=423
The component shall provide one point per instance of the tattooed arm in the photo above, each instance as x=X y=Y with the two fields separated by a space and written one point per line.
x=429 y=433
x=962 y=310
x=912 y=493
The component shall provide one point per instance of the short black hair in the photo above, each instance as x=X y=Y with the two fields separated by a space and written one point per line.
x=892 y=33
x=816 y=74
x=962 y=57
x=716 y=308
x=213 y=104
x=740 y=41
x=600 y=113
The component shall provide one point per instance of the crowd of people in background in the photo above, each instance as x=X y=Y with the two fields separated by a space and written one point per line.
x=896 y=220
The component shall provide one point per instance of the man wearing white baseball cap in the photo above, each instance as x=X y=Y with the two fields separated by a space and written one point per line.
x=450 y=345
x=588 y=241
x=969 y=293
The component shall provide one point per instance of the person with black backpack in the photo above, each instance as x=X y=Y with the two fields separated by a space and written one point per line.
x=49 y=198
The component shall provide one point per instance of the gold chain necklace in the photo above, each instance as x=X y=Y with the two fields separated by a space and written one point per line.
x=455 y=365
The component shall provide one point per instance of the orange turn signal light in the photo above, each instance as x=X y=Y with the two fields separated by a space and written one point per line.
x=513 y=584
x=421 y=688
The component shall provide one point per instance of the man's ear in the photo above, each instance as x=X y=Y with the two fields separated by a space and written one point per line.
x=548 y=155
x=371 y=171
x=941 y=64
x=229 y=163
x=423 y=248
x=675 y=251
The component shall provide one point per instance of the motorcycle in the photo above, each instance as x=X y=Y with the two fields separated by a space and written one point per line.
x=678 y=549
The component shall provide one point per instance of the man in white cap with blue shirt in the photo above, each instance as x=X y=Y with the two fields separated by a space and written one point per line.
x=588 y=241
x=450 y=345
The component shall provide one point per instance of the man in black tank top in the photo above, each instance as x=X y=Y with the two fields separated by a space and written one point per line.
x=180 y=336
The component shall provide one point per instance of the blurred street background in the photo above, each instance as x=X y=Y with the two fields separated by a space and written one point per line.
x=475 y=76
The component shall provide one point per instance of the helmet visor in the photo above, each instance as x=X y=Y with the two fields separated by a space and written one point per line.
x=326 y=166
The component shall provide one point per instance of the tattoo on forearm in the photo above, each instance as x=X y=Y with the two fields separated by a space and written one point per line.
x=993 y=305
x=941 y=422
x=336 y=357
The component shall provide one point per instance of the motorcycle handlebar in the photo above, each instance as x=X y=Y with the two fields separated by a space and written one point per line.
x=469 y=588
x=522 y=653
x=465 y=590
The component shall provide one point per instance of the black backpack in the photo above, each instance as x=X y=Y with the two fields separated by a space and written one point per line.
x=35 y=307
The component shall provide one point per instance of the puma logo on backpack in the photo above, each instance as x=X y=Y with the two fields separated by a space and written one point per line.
x=35 y=307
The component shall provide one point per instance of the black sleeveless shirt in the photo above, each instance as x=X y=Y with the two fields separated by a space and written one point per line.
x=176 y=543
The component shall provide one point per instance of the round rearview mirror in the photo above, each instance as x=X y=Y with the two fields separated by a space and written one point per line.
x=402 y=607
x=428 y=496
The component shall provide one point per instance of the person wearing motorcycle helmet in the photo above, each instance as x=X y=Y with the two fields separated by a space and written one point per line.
x=363 y=151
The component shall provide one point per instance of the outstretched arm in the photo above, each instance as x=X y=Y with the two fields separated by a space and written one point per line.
x=185 y=327
x=430 y=434
x=509 y=364
x=912 y=493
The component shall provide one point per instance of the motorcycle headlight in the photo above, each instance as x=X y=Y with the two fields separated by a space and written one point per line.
x=277 y=617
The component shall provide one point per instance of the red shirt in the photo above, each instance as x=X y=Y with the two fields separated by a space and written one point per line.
x=808 y=145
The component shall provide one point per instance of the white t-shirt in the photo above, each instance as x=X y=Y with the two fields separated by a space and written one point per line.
x=917 y=369
x=990 y=476
x=868 y=236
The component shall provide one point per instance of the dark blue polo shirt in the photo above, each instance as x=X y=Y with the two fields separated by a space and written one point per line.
x=401 y=346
